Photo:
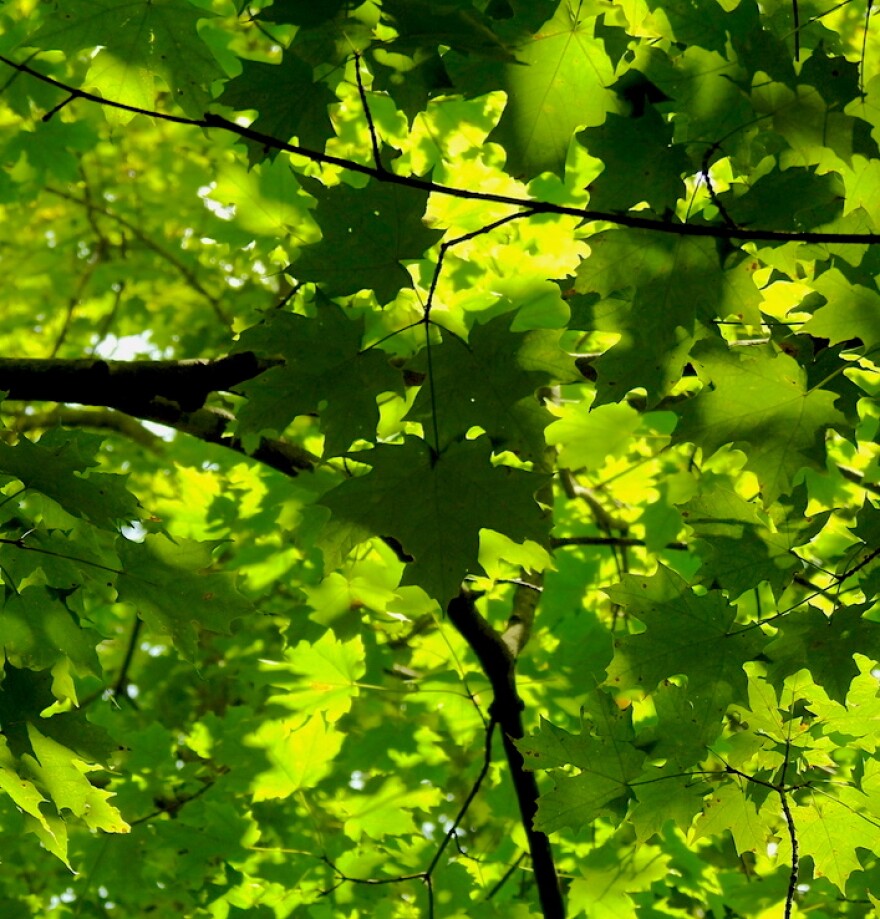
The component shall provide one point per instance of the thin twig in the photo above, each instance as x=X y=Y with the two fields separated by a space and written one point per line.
x=371 y=126
x=121 y=684
x=506 y=876
x=559 y=542
x=487 y=763
x=148 y=243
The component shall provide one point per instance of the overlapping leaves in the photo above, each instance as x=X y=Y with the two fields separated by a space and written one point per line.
x=335 y=732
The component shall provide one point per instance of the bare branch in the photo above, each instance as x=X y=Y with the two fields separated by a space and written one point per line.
x=212 y=121
x=127 y=385
x=498 y=663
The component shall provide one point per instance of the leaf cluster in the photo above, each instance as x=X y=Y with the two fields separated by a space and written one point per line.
x=486 y=364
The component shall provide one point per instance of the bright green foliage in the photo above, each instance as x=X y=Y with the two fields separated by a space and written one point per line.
x=549 y=395
x=174 y=590
x=759 y=401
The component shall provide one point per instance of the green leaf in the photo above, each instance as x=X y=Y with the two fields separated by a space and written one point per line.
x=463 y=29
x=652 y=171
x=367 y=234
x=729 y=808
x=858 y=719
x=490 y=382
x=684 y=634
x=48 y=759
x=684 y=729
x=757 y=398
x=174 y=589
x=290 y=103
x=662 y=797
x=137 y=42
x=824 y=645
x=55 y=467
x=652 y=289
x=740 y=546
x=267 y=201
x=37 y=630
x=559 y=82
x=587 y=436
x=605 y=884
x=794 y=200
x=387 y=811
x=65 y=781
x=320 y=677
x=22 y=791
x=689 y=23
x=607 y=760
x=325 y=371
x=300 y=755
x=301 y=12
x=852 y=311
x=449 y=498
x=830 y=830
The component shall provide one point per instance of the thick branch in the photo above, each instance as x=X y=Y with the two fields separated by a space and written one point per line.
x=166 y=392
x=127 y=385
x=211 y=425
x=498 y=662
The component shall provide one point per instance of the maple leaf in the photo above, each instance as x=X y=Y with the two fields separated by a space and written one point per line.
x=126 y=63
x=730 y=808
x=55 y=467
x=289 y=101
x=684 y=634
x=318 y=677
x=434 y=506
x=851 y=311
x=366 y=235
x=757 y=398
x=603 y=751
x=563 y=86
x=490 y=382
x=831 y=830
x=171 y=584
x=652 y=290
x=325 y=371
x=739 y=546
x=824 y=645
x=651 y=172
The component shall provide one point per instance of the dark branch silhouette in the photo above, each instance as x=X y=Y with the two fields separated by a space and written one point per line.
x=498 y=661
x=211 y=120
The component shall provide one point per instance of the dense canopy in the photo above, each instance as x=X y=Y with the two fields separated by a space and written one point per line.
x=439 y=470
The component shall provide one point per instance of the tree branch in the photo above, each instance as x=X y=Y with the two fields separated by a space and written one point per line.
x=127 y=385
x=99 y=419
x=166 y=392
x=212 y=121
x=498 y=663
